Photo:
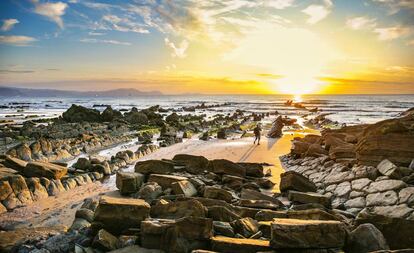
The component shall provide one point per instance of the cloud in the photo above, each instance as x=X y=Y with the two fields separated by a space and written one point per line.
x=123 y=24
x=53 y=11
x=279 y=4
x=316 y=13
x=178 y=51
x=394 y=6
x=8 y=24
x=96 y=34
x=16 y=40
x=11 y=71
x=390 y=33
x=113 y=42
x=358 y=23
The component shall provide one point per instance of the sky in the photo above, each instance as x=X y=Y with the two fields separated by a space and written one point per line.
x=210 y=46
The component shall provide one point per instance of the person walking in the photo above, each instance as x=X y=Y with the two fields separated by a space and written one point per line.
x=257 y=133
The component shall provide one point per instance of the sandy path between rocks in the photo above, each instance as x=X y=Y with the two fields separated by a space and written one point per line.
x=60 y=210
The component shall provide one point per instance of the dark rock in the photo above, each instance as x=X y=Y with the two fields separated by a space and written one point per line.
x=231 y=245
x=129 y=182
x=105 y=241
x=276 y=130
x=366 y=238
x=178 y=209
x=42 y=169
x=292 y=180
x=222 y=166
x=193 y=164
x=77 y=113
x=309 y=197
x=154 y=166
x=218 y=193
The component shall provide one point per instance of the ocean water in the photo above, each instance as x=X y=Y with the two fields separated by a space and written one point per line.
x=348 y=109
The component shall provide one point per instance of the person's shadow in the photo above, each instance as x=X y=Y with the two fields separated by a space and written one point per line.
x=271 y=142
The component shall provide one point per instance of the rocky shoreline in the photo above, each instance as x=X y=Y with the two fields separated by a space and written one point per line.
x=347 y=190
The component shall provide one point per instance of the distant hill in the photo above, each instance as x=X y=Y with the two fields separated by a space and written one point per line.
x=25 y=92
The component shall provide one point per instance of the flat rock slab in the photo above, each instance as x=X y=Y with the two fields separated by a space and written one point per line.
x=119 y=214
x=292 y=180
x=136 y=249
x=309 y=197
x=165 y=181
x=294 y=233
x=231 y=245
x=154 y=166
x=48 y=170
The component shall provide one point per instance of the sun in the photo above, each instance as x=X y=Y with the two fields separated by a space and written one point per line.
x=297 y=85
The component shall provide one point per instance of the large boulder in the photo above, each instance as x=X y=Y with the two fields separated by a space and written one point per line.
x=194 y=164
x=136 y=117
x=154 y=166
x=165 y=181
x=276 y=130
x=387 y=168
x=77 y=113
x=309 y=197
x=129 y=182
x=366 y=238
x=293 y=233
x=178 y=209
x=117 y=214
x=292 y=180
x=185 y=188
x=110 y=114
x=222 y=166
x=391 y=139
x=47 y=170
x=15 y=164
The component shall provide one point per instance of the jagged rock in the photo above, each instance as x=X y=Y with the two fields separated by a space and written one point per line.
x=129 y=182
x=309 y=197
x=261 y=204
x=118 y=214
x=218 y=193
x=293 y=233
x=136 y=117
x=3 y=209
x=48 y=170
x=79 y=224
x=245 y=226
x=110 y=114
x=77 y=113
x=85 y=213
x=154 y=166
x=184 y=187
x=105 y=241
x=223 y=228
x=37 y=189
x=231 y=245
x=82 y=164
x=165 y=181
x=104 y=168
x=406 y=195
x=222 y=213
x=222 y=166
x=5 y=190
x=20 y=189
x=15 y=163
x=276 y=129
x=388 y=226
x=391 y=139
x=366 y=238
x=168 y=131
x=292 y=180
x=253 y=169
x=387 y=168
x=193 y=164
x=178 y=209
x=149 y=191
x=309 y=214
x=55 y=187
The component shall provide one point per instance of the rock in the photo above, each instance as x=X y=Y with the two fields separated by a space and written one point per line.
x=20 y=189
x=38 y=191
x=292 y=180
x=222 y=166
x=135 y=117
x=360 y=184
x=366 y=238
x=343 y=189
x=77 y=113
x=293 y=233
x=154 y=233
x=149 y=191
x=382 y=198
x=154 y=166
x=253 y=169
x=5 y=190
x=184 y=187
x=395 y=211
x=231 y=245
x=223 y=228
x=3 y=209
x=105 y=241
x=386 y=185
x=101 y=168
x=42 y=169
x=261 y=204
x=178 y=209
x=390 y=139
x=218 y=193
x=355 y=203
x=85 y=213
x=245 y=226
x=82 y=164
x=129 y=182
x=165 y=181
x=135 y=249
x=79 y=224
x=276 y=129
x=387 y=168
x=168 y=131
x=110 y=114
x=15 y=163
x=309 y=214
x=309 y=197
x=222 y=213
x=388 y=226
x=221 y=134
x=193 y=164
x=406 y=195
x=118 y=215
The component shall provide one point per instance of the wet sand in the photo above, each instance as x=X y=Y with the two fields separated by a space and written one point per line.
x=60 y=210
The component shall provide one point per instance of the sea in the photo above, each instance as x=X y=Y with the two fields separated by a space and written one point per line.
x=345 y=109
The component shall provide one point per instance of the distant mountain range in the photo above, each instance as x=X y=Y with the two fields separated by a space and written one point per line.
x=25 y=92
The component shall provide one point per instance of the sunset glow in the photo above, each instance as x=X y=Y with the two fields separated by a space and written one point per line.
x=228 y=47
